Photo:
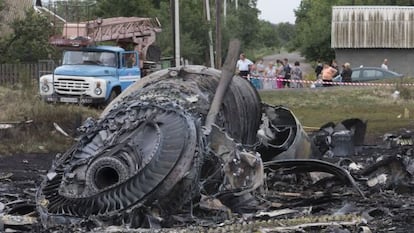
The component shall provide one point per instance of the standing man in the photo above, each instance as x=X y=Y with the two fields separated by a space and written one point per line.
x=287 y=69
x=243 y=66
x=318 y=68
x=260 y=67
x=384 y=64
x=296 y=76
x=346 y=73
x=328 y=73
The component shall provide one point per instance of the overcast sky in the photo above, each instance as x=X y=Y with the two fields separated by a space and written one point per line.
x=278 y=11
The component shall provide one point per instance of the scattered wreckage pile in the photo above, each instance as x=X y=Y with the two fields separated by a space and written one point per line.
x=171 y=154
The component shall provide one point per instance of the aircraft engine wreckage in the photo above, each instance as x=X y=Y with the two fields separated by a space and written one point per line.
x=153 y=154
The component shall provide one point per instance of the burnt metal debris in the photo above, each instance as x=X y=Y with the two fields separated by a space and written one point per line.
x=152 y=144
x=149 y=157
x=342 y=139
x=193 y=146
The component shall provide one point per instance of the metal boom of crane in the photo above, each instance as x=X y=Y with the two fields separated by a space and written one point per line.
x=124 y=30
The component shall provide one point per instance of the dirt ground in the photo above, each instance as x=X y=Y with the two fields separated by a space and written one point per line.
x=292 y=57
x=387 y=207
x=20 y=175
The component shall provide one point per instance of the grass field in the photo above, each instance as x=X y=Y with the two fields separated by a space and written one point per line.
x=313 y=108
x=39 y=135
x=376 y=105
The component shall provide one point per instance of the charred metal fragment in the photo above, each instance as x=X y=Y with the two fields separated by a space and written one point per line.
x=282 y=136
x=243 y=170
x=314 y=165
x=169 y=143
x=358 y=129
x=149 y=149
x=403 y=139
x=391 y=172
x=340 y=139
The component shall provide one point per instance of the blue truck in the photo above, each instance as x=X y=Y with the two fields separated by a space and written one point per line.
x=91 y=75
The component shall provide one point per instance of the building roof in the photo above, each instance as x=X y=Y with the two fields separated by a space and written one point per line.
x=372 y=27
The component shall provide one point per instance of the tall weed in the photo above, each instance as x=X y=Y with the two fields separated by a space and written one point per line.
x=34 y=120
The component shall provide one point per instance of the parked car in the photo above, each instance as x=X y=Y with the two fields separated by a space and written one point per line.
x=366 y=74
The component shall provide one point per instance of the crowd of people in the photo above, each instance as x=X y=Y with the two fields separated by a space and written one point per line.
x=328 y=71
x=282 y=74
x=271 y=75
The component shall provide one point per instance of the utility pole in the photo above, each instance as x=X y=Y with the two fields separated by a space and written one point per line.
x=177 y=33
x=218 y=34
x=175 y=16
x=172 y=17
x=210 y=34
x=225 y=11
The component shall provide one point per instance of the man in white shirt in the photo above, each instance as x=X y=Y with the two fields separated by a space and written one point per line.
x=385 y=64
x=243 y=65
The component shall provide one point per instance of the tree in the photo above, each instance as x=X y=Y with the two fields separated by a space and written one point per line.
x=313 y=38
x=2 y=7
x=126 y=8
x=194 y=31
x=73 y=10
x=242 y=23
x=29 y=40
x=268 y=35
x=285 y=33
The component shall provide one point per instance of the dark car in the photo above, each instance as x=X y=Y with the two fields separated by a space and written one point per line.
x=366 y=74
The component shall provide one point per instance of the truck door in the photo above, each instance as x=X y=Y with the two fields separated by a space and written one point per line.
x=129 y=70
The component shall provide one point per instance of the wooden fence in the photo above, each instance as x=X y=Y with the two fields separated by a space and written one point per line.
x=15 y=73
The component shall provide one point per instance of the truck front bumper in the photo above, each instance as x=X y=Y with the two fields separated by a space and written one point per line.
x=73 y=99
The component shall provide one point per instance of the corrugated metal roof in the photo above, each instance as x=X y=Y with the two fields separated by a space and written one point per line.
x=372 y=27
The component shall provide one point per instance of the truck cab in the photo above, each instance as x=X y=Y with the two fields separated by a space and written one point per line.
x=91 y=75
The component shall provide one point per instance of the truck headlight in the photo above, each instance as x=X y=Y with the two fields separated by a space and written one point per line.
x=98 y=91
x=45 y=87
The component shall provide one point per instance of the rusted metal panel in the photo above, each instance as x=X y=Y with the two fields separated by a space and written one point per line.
x=113 y=28
x=372 y=27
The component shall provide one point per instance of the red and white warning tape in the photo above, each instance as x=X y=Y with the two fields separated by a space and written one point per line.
x=331 y=83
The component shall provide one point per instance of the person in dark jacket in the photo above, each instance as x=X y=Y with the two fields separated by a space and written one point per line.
x=318 y=69
x=346 y=73
x=334 y=65
x=287 y=69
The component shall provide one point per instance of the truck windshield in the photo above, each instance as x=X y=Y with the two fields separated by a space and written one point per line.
x=89 y=58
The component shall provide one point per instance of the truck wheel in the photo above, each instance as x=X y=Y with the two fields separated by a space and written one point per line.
x=112 y=96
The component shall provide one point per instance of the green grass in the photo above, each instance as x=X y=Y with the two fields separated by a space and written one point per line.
x=312 y=107
x=315 y=107
x=20 y=104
